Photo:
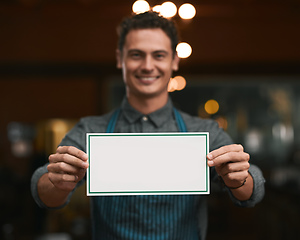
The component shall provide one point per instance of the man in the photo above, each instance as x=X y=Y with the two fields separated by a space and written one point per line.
x=147 y=57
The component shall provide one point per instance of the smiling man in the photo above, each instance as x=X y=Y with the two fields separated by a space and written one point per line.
x=147 y=61
x=147 y=57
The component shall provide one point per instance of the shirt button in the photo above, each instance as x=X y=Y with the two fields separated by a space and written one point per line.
x=145 y=118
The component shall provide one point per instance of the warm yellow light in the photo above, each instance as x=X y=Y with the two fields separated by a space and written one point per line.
x=172 y=85
x=156 y=8
x=176 y=84
x=211 y=106
x=140 y=6
x=187 y=11
x=184 y=50
x=168 y=9
x=223 y=123
x=181 y=82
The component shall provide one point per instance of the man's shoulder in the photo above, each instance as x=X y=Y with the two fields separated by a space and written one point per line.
x=98 y=118
x=217 y=136
x=95 y=122
x=95 y=119
x=195 y=123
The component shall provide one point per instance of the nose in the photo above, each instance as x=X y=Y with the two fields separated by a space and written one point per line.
x=147 y=64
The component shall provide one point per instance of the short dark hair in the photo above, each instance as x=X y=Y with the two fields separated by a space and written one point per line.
x=147 y=20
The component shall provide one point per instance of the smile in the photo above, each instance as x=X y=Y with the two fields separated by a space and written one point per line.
x=147 y=79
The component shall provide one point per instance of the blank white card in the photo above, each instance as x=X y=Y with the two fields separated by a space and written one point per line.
x=147 y=163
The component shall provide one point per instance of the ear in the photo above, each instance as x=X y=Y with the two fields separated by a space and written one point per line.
x=175 y=63
x=118 y=58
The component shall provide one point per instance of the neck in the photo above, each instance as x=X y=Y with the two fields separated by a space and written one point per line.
x=147 y=105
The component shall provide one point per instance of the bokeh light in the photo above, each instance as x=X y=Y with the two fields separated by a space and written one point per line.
x=184 y=50
x=140 y=6
x=172 y=85
x=211 y=106
x=181 y=82
x=168 y=9
x=156 y=8
x=187 y=11
x=176 y=84
x=222 y=121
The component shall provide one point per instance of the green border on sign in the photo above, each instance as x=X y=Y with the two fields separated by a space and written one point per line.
x=89 y=135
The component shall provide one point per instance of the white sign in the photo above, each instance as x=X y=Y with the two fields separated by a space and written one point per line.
x=147 y=163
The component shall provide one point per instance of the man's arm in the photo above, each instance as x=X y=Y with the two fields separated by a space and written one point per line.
x=232 y=165
x=66 y=168
x=49 y=194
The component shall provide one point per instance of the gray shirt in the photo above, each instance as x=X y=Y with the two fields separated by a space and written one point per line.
x=162 y=120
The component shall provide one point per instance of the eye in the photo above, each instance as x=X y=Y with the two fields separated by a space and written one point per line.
x=159 y=55
x=135 y=55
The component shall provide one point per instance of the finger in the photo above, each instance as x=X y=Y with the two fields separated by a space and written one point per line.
x=60 y=176
x=232 y=167
x=235 y=176
x=56 y=178
x=62 y=167
x=225 y=149
x=72 y=151
x=69 y=159
x=64 y=182
x=229 y=157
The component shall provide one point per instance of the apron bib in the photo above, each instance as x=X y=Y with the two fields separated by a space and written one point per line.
x=145 y=217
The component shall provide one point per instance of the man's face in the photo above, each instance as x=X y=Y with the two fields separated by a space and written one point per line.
x=147 y=62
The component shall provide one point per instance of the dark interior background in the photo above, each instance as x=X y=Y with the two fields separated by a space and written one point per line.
x=57 y=64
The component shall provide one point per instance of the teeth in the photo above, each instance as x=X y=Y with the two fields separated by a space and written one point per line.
x=147 y=78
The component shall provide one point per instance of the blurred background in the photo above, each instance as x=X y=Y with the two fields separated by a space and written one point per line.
x=57 y=64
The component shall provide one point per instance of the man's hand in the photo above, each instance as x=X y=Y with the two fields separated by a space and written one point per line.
x=67 y=167
x=232 y=164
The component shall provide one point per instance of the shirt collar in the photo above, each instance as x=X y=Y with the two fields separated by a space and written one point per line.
x=158 y=117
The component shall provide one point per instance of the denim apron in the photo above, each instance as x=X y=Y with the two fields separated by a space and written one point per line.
x=145 y=217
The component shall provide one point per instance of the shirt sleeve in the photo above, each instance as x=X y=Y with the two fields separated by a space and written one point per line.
x=218 y=138
x=34 y=180
x=34 y=191
x=76 y=138
x=258 y=189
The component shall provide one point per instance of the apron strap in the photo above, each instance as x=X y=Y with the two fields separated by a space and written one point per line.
x=113 y=120
x=179 y=120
